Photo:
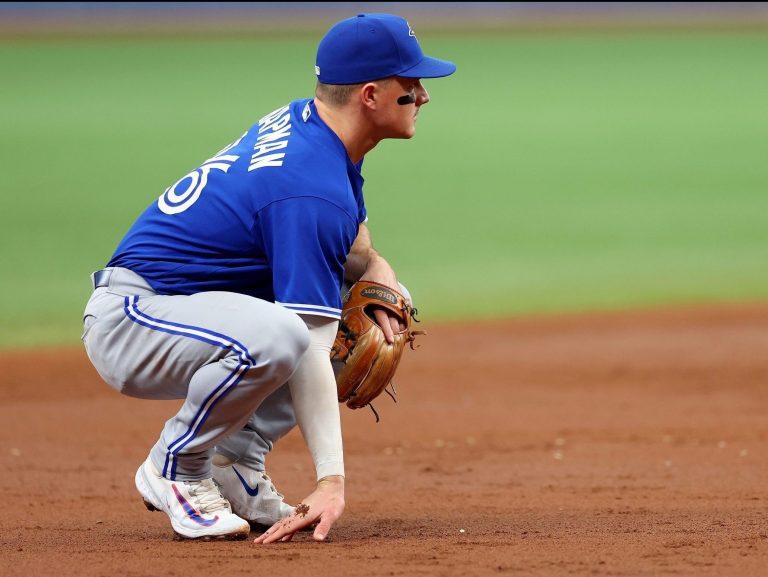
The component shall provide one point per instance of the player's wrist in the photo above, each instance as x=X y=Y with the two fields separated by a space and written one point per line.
x=374 y=258
x=331 y=482
x=381 y=272
x=331 y=468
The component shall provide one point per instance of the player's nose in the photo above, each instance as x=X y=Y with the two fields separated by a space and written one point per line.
x=422 y=96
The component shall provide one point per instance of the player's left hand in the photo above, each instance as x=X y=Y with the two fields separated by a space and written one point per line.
x=324 y=506
x=379 y=271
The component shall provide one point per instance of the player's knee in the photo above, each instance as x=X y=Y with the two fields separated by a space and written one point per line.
x=296 y=335
x=290 y=344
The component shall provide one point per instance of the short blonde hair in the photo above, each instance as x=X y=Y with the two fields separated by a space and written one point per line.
x=339 y=94
x=335 y=94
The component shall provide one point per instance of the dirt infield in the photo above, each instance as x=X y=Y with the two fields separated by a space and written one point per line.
x=619 y=444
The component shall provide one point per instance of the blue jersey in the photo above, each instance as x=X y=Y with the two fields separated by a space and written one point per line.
x=273 y=216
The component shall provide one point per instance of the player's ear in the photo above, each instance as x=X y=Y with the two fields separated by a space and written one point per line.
x=369 y=95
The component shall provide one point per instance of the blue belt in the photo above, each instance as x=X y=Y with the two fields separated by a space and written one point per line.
x=101 y=278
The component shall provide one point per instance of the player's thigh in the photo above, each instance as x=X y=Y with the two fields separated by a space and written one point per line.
x=150 y=346
x=252 y=325
x=222 y=326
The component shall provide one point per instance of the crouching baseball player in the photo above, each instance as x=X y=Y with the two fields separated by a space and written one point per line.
x=225 y=292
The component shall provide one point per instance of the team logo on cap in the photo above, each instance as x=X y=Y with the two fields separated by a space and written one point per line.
x=410 y=30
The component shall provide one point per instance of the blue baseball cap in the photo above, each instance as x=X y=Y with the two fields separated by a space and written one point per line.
x=374 y=46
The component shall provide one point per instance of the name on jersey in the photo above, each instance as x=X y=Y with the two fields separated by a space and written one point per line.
x=274 y=130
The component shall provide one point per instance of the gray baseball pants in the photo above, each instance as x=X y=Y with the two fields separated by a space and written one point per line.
x=227 y=355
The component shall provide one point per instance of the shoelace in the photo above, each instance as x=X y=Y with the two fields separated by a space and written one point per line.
x=206 y=495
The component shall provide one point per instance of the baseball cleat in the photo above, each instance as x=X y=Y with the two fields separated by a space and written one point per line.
x=251 y=493
x=196 y=509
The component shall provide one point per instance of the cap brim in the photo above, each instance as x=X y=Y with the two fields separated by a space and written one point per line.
x=429 y=68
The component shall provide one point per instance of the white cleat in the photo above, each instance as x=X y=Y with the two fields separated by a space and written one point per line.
x=251 y=493
x=196 y=508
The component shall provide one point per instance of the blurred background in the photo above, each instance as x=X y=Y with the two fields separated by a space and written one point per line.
x=585 y=156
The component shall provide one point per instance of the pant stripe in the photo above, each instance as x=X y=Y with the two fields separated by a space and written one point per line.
x=219 y=393
x=246 y=361
x=205 y=335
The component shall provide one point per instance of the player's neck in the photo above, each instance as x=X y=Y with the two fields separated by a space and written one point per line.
x=350 y=129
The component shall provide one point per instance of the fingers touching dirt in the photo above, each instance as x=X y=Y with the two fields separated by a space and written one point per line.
x=324 y=506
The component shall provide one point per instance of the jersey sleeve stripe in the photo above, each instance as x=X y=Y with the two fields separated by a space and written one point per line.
x=313 y=307
x=312 y=310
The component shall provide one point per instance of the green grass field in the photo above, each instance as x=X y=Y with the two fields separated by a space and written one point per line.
x=551 y=173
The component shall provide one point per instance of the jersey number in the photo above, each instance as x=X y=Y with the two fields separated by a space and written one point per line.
x=184 y=192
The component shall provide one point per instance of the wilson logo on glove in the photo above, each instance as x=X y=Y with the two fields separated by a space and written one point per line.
x=369 y=360
x=379 y=294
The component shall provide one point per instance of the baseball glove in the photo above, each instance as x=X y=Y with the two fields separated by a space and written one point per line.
x=369 y=361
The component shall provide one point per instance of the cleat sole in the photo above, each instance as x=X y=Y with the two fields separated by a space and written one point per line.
x=233 y=537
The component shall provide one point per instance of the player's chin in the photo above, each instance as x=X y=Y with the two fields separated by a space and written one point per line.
x=402 y=132
x=409 y=132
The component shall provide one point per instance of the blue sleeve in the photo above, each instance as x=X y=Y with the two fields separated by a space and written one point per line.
x=362 y=213
x=306 y=240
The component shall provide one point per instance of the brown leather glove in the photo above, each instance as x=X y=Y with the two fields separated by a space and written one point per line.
x=369 y=360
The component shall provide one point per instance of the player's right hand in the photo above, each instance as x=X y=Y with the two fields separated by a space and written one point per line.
x=381 y=272
x=324 y=506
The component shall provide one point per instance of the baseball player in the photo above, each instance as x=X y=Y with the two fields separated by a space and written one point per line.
x=225 y=292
